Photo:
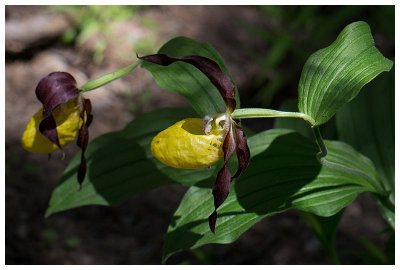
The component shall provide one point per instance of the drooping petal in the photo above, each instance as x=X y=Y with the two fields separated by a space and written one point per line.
x=220 y=192
x=242 y=150
x=209 y=67
x=54 y=89
x=83 y=137
x=212 y=221
x=222 y=185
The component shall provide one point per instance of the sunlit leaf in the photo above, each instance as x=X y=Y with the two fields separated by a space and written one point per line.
x=283 y=173
x=334 y=75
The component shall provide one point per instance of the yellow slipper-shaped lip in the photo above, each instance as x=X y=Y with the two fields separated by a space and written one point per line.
x=185 y=145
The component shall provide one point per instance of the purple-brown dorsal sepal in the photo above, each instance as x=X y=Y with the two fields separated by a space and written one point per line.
x=242 y=151
x=220 y=191
x=54 y=89
x=83 y=136
x=229 y=145
x=209 y=67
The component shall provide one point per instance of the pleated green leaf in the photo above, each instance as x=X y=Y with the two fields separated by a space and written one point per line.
x=334 y=75
x=367 y=123
x=120 y=164
x=187 y=80
x=283 y=173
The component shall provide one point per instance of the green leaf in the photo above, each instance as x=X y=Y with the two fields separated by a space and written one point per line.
x=367 y=123
x=283 y=173
x=334 y=75
x=387 y=212
x=120 y=164
x=187 y=80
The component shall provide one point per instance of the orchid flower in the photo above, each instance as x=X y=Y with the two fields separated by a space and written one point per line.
x=198 y=143
x=64 y=117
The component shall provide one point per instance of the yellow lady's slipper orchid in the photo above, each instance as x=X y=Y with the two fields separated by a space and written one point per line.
x=198 y=143
x=64 y=117
x=68 y=121
x=185 y=145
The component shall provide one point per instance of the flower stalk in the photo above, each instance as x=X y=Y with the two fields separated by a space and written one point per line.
x=106 y=79
x=267 y=113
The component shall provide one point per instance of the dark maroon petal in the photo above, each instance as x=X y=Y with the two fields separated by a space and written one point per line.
x=242 y=151
x=82 y=169
x=48 y=128
x=222 y=186
x=229 y=145
x=220 y=192
x=209 y=67
x=212 y=221
x=53 y=90
x=83 y=136
x=87 y=106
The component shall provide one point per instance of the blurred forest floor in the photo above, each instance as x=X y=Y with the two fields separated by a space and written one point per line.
x=132 y=233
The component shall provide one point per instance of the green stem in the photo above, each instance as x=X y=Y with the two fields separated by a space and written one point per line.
x=266 y=113
x=332 y=254
x=320 y=142
x=103 y=80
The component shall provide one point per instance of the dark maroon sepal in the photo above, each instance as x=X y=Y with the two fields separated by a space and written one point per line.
x=54 y=89
x=83 y=137
x=242 y=151
x=209 y=67
x=229 y=145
